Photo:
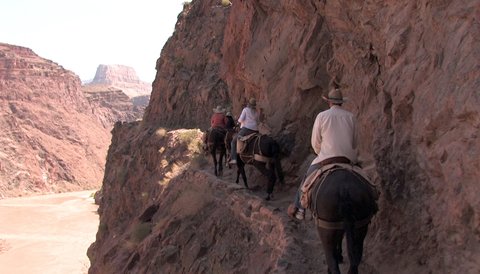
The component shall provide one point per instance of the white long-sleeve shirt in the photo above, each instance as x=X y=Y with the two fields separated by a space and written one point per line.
x=334 y=134
x=249 y=118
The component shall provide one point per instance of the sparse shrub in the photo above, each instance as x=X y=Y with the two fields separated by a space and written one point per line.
x=226 y=3
x=161 y=132
x=191 y=139
x=102 y=227
x=141 y=231
x=163 y=163
x=144 y=196
x=164 y=181
x=178 y=61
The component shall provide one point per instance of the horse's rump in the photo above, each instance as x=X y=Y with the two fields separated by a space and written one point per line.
x=342 y=190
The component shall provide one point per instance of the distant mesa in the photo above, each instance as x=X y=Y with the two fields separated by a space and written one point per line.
x=117 y=94
x=121 y=77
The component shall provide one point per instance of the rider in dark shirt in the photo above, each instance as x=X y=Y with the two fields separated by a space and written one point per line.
x=230 y=125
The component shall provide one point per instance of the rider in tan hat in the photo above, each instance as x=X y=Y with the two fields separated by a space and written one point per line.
x=218 y=119
x=333 y=140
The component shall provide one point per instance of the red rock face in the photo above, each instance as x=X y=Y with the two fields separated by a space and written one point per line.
x=188 y=85
x=50 y=140
x=410 y=70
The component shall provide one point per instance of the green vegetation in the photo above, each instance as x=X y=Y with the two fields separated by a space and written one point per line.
x=191 y=138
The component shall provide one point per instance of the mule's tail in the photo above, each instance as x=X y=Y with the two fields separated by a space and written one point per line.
x=346 y=210
x=278 y=164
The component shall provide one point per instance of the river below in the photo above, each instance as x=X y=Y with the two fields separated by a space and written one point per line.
x=47 y=234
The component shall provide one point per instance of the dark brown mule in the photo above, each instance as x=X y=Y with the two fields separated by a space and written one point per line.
x=270 y=150
x=216 y=143
x=343 y=204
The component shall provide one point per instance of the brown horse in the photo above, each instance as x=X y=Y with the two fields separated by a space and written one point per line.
x=343 y=203
x=216 y=142
x=268 y=164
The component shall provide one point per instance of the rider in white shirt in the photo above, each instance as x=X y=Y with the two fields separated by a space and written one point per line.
x=333 y=140
x=249 y=119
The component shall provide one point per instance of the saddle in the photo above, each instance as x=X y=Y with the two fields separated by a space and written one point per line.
x=323 y=172
x=248 y=156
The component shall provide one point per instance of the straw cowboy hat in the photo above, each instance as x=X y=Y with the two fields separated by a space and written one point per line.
x=219 y=109
x=252 y=103
x=335 y=96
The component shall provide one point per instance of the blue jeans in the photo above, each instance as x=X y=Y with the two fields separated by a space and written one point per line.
x=311 y=169
x=243 y=132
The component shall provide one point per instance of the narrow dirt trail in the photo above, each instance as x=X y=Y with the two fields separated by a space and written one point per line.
x=304 y=232
x=47 y=234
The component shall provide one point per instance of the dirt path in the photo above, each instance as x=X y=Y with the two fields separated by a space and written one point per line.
x=304 y=232
x=47 y=234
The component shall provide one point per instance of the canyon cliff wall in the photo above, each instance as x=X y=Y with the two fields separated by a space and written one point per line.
x=50 y=140
x=411 y=72
x=117 y=94
x=112 y=105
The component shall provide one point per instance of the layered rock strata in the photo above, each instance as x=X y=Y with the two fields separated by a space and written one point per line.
x=50 y=141
x=112 y=105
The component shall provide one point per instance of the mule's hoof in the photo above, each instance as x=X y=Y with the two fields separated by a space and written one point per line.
x=268 y=197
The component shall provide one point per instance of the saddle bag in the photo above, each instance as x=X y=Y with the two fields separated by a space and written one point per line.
x=242 y=142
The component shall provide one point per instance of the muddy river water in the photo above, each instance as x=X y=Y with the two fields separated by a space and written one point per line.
x=47 y=234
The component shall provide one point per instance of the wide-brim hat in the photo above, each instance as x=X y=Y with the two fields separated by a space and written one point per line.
x=219 y=109
x=335 y=96
x=252 y=103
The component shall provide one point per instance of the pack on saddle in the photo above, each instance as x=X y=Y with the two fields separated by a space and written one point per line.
x=249 y=149
x=326 y=167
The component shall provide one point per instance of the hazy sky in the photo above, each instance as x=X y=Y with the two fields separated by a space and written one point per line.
x=81 y=34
